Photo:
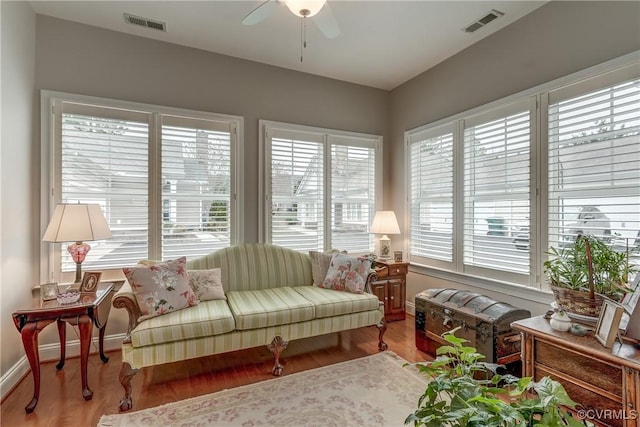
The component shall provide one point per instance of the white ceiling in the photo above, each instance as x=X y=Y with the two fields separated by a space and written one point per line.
x=381 y=44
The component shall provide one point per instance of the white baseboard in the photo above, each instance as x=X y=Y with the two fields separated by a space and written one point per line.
x=13 y=376
x=49 y=352
x=410 y=308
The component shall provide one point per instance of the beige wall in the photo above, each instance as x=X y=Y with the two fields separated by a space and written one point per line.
x=126 y=67
x=86 y=60
x=19 y=179
x=555 y=40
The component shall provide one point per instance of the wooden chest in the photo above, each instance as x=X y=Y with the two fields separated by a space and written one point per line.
x=484 y=322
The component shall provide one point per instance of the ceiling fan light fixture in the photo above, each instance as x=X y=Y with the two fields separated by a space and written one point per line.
x=305 y=8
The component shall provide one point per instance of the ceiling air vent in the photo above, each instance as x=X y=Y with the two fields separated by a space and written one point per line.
x=145 y=22
x=484 y=20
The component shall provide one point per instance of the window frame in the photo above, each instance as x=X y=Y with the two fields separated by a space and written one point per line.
x=418 y=137
x=324 y=136
x=605 y=82
x=50 y=179
x=526 y=103
x=593 y=78
x=457 y=128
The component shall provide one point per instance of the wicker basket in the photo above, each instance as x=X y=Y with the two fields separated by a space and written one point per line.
x=578 y=302
x=582 y=303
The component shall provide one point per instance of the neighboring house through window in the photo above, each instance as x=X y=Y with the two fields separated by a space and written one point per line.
x=594 y=162
x=165 y=179
x=321 y=187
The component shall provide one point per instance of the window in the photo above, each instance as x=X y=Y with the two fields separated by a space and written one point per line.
x=320 y=187
x=496 y=190
x=491 y=190
x=466 y=221
x=165 y=182
x=594 y=163
x=196 y=161
x=431 y=195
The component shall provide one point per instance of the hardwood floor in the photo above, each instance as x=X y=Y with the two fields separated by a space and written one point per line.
x=61 y=402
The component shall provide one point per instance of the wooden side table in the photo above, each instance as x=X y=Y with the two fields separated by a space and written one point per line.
x=604 y=381
x=92 y=308
x=391 y=287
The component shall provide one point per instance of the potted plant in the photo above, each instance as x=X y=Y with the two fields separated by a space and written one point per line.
x=583 y=274
x=457 y=394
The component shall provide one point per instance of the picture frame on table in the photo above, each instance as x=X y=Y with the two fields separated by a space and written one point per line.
x=608 y=323
x=49 y=291
x=632 y=297
x=90 y=281
x=631 y=305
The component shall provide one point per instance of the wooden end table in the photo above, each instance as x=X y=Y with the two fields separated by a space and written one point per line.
x=92 y=308
x=604 y=381
x=390 y=288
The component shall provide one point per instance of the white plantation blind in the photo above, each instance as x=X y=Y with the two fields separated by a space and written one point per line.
x=196 y=186
x=353 y=179
x=594 y=163
x=431 y=195
x=164 y=182
x=297 y=192
x=104 y=160
x=497 y=189
x=321 y=188
x=524 y=173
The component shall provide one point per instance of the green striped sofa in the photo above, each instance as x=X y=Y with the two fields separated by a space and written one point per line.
x=270 y=301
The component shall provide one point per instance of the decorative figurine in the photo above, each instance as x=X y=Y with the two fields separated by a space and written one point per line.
x=559 y=321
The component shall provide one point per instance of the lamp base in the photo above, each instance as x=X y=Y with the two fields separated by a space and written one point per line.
x=78 y=252
x=78 y=273
x=385 y=247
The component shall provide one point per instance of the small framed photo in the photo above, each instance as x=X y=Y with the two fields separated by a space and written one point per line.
x=397 y=256
x=48 y=291
x=90 y=281
x=631 y=298
x=631 y=304
x=608 y=323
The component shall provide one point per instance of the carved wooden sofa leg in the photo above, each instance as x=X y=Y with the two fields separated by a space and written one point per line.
x=382 y=326
x=126 y=374
x=277 y=346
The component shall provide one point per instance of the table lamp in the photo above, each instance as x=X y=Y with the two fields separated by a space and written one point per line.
x=384 y=222
x=77 y=223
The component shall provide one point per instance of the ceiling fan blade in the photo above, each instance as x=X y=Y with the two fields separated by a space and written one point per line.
x=326 y=22
x=263 y=11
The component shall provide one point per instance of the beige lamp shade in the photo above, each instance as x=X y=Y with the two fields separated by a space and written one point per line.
x=77 y=223
x=385 y=222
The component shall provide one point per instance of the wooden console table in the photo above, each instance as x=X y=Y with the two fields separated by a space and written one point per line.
x=605 y=382
x=91 y=308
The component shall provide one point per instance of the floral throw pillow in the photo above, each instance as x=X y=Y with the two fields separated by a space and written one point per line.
x=207 y=284
x=161 y=288
x=347 y=273
x=320 y=262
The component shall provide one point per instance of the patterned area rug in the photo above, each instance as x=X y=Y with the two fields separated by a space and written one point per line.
x=371 y=391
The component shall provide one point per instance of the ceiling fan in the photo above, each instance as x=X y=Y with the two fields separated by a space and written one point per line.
x=318 y=9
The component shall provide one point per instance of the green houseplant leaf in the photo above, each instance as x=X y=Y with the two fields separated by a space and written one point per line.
x=457 y=395
x=568 y=267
